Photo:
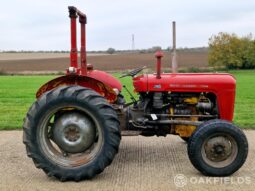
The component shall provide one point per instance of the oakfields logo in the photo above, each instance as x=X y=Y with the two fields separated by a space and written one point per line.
x=180 y=180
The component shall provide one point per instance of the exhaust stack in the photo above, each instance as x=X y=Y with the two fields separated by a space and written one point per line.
x=158 y=55
x=73 y=52
x=174 y=59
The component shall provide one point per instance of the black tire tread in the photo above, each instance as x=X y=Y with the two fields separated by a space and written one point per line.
x=101 y=105
x=203 y=129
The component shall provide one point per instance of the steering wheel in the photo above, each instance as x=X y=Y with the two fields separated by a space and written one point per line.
x=133 y=72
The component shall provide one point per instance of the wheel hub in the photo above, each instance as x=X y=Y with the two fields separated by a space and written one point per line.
x=74 y=132
x=218 y=149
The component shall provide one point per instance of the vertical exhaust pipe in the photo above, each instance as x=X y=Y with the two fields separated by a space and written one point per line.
x=83 y=22
x=158 y=55
x=174 y=59
x=73 y=53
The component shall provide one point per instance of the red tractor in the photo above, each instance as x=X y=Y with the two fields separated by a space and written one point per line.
x=73 y=130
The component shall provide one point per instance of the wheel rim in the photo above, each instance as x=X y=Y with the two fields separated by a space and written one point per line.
x=219 y=150
x=73 y=132
x=71 y=139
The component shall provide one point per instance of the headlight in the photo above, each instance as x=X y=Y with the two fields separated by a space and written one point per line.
x=72 y=70
x=116 y=91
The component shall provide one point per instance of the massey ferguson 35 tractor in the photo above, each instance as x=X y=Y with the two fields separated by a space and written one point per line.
x=73 y=130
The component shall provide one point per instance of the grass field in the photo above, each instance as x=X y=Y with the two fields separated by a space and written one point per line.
x=18 y=92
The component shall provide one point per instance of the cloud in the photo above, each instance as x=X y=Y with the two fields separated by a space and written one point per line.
x=44 y=25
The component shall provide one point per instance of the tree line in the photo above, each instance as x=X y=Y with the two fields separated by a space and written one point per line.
x=113 y=50
x=231 y=51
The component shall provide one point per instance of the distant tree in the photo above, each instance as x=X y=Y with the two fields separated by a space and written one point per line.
x=168 y=48
x=156 y=48
x=111 y=51
x=142 y=51
x=231 y=51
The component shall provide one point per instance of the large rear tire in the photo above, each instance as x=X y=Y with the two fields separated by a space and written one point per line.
x=217 y=148
x=71 y=133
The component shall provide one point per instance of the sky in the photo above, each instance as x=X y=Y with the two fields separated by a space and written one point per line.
x=44 y=25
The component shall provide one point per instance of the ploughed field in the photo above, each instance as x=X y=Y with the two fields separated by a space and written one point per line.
x=18 y=92
x=58 y=62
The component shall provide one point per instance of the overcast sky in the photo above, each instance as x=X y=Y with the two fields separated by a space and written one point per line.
x=44 y=25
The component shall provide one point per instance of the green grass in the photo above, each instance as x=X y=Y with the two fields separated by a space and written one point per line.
x=17 y=93
x=245 y=98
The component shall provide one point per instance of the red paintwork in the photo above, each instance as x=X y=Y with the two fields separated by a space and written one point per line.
x=91 y=80
x=105 y=78
x=73 y=53
x=84 y=81
x=99 y=81
x=222 y=85
x=74 y=13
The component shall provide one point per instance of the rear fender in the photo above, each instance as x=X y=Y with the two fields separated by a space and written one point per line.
x=84 y=81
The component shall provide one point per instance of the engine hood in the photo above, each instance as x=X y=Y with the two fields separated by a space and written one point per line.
x=222 y=85
x=185 y=82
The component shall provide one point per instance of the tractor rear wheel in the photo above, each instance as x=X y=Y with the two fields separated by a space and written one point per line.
x=217 y=148
x=72 y=133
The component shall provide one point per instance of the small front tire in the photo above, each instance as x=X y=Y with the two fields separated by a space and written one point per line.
x=218 y=148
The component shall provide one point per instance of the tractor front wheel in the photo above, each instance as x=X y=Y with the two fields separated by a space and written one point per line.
x=217 y=148
x=72 y=133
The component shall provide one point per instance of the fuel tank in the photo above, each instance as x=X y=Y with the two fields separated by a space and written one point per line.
x=221 y=84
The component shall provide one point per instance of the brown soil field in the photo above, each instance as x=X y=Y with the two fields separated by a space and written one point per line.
x=117 y=62
x=28 y=56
